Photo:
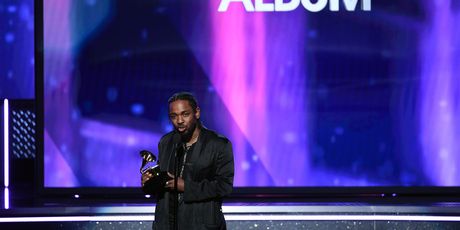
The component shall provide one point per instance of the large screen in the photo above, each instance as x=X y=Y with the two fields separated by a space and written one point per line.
x=310 y=93
x=17 y=50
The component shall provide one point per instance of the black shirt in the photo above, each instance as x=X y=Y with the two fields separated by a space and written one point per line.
x=175 y=197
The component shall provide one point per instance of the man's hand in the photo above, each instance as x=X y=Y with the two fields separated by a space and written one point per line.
x=145 y=177
x=170 y=183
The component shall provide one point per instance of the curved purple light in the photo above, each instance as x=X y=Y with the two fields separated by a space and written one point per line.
x=257 y=69
x=440 y=96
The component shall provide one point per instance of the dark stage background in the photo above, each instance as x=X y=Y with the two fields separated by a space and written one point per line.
x=363 y=98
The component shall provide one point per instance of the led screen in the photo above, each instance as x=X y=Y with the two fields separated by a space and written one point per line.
x=364 y=94
x=17 y=50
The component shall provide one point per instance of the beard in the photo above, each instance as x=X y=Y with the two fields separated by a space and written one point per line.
x=188 y=133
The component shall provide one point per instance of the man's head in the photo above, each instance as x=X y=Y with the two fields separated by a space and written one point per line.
x=184 y=113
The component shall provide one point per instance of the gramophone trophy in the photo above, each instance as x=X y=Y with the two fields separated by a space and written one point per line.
x=159 y=177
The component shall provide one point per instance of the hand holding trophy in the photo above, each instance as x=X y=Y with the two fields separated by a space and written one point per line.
x=151 y=173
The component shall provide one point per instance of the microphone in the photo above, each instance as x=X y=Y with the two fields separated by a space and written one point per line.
x=179 y=145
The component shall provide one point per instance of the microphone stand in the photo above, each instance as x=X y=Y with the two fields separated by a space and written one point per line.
x=178 y=152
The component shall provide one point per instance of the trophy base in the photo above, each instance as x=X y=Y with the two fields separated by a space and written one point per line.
x=158 y=181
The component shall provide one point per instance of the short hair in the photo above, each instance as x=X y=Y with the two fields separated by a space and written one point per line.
x=186 y=96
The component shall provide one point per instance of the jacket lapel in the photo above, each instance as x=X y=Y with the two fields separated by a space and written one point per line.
x=195 y=154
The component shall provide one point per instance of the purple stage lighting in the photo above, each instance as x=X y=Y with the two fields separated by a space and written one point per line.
x=259 y=85
x=440 y=95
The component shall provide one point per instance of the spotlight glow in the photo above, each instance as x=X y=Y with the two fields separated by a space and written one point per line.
x=6 y=159
x=6 y=143
x=342 y=218
x=241 y=217
x=6 y=197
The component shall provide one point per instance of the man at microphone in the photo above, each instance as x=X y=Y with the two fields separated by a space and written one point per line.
x=203 y=163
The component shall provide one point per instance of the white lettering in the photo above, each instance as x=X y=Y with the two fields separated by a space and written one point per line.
x=350 y=5
x=314 y=7
x=280 y=5
x=261 y=6
x=223 y=6
x=334 y=5
x=366 y=5
x=290 y=5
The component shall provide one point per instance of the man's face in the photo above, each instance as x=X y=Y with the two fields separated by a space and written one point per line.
x=183 y=117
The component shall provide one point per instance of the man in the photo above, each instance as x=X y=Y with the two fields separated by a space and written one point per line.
x=204 y=168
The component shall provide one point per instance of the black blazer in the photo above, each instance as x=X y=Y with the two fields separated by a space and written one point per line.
x=208 y=177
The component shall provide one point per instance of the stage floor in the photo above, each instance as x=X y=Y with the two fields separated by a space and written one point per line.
x=245 y=216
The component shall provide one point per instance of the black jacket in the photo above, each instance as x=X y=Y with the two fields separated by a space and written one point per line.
x=208 y=177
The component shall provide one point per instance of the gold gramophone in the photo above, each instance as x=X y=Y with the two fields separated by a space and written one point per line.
x=159 y=177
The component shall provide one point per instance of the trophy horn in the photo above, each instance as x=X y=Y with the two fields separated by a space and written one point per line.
x=147 y=157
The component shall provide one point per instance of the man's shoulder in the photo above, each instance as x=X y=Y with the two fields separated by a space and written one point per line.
x=166 y=137
x=215 y=137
